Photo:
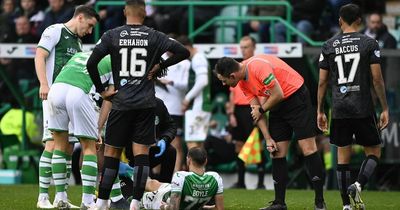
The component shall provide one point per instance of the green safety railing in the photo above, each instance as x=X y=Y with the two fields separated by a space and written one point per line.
x=192 y=4
x=261 y=18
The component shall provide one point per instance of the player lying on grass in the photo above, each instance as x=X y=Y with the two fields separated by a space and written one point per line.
x=71 y=101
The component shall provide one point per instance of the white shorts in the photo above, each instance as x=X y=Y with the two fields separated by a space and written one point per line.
x=47 y=136
x=68 y=103
x=153 y=200
x=196 y=125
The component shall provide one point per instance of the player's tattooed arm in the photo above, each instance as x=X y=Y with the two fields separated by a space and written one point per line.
x=174 y=202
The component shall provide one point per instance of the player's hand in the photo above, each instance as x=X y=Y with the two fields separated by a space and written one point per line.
x=162 y=144
x=255 y=113
x=272 y=147
x=232 y=121
x=43 y=91
x=153 y=72
x=322 y=122
x=108 y=94
x=185 y=105
x=384 y=120
x=99 y=139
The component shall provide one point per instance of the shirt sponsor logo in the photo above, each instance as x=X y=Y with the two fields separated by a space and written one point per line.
x=343 y=89
x=230 y=50
x=271 y=50
x=123 y=33
x=123 y=82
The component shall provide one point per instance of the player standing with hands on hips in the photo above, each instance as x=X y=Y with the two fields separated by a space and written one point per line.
x=135 y=52
x=351 y=61
x=289 y=103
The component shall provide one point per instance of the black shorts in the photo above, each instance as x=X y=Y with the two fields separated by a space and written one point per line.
x=124 y=127
x=365 y=130
x=179 y=124
x=244 y=123
x=295 y=115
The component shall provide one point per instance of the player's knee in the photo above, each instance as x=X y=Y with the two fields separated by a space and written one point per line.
x=308 y=146
x=49 y=146
x=112 y=152
x=88 y=146
x=374 y=151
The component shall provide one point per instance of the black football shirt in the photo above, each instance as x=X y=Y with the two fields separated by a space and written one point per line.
x=348 y=57
x=134 y=50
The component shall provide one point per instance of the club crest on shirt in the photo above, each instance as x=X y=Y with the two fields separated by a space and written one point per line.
x=335 y=43
x=123 y=33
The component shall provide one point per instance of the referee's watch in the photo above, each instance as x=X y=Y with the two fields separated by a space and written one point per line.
x=261 y=110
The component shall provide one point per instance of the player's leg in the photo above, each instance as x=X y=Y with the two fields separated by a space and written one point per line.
x=58 y=124
x=302 y=118
x=59 y=167
x=281 y=132
x=315 y=168
x=341 y=135
x=141 y=172
x=118 y=131
x=88 y=171
x=45 y=175
x=144 y=137
x=110 y=172
x=367 y=134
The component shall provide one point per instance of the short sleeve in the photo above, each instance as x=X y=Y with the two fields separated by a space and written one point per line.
x=374 y=53
x=262 y=71
x=323 y=59
x=50 y=38
x=200 y=64
x=177 y=182
x=103 y=45
x=218 y=178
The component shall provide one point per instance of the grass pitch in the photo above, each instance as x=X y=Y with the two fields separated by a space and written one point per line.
x=24 y=197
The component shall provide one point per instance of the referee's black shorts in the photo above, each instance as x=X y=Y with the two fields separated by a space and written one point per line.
x=365 y=130
x=124 y=127
x=244 y=123
x=295 y=115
